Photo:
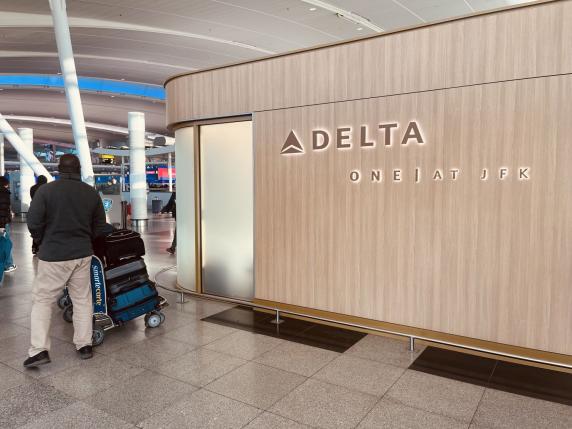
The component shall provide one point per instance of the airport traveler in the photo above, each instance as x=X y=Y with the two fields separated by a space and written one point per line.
x=171 y=207
x=5 y=218
x=64 y=217
x=41 y=181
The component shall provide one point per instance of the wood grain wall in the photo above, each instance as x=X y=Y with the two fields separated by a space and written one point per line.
x=484 y=259
x=515 y=44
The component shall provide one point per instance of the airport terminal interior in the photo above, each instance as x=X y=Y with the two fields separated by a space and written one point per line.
x=341 y=213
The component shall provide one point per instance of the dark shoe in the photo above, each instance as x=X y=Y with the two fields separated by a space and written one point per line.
x=37 y=360
x=86 y=352
x=170 y=250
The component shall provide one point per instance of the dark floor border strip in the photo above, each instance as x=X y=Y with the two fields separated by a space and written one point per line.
x=525 y=380
x=291 y=329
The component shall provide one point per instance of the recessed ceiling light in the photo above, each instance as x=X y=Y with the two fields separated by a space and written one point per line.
x=359 y=28
x=312 y=9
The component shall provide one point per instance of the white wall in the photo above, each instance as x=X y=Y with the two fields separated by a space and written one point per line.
x=185 y=165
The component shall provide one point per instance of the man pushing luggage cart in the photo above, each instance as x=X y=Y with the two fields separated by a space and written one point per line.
x=121 y=288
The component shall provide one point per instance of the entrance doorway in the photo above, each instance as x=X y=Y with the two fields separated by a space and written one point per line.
x=227 y=209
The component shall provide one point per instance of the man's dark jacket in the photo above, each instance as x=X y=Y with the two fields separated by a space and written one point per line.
x=35 y=188
x=5 y=210
x=65 y=217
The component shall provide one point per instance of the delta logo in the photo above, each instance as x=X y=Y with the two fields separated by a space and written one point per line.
x=345 y=138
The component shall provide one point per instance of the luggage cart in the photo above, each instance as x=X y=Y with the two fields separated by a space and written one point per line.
x=102 y=320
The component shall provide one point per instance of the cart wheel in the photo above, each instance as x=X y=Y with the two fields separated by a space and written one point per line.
x=68 y=314
x=152 y=320
x=162 y=317
x=97 y=337
x=63 y=301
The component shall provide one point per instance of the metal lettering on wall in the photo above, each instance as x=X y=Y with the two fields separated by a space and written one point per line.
x=345 y=138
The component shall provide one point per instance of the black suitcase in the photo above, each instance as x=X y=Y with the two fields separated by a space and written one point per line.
x=127 y=276
x=122 y=245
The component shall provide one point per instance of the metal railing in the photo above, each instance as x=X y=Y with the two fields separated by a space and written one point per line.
x=411 y=337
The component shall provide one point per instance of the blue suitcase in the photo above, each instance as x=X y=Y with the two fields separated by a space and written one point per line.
x=134 y=303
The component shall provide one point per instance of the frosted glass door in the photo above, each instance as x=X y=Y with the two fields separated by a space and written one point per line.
x=227 y=209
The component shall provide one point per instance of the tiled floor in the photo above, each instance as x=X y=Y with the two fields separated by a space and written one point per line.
x=192 y=373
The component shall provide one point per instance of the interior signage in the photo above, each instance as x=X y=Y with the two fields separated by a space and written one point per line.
x=344 y=138
x=388 y=135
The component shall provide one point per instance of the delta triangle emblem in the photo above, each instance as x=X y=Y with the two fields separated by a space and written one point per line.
x=292 y=146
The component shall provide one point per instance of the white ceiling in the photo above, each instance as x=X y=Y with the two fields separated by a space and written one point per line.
x=149 y=40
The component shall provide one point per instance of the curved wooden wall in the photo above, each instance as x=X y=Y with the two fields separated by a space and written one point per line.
x=488 y=259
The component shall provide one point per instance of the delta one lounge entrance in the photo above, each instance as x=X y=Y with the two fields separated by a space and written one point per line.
x=227 y=207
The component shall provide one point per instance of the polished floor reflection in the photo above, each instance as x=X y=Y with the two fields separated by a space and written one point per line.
x=214 y=366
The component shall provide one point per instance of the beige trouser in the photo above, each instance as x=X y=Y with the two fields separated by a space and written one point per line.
x=48 y=286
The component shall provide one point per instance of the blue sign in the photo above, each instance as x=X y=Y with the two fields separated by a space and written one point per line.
x=98 y=286
x=107 y=204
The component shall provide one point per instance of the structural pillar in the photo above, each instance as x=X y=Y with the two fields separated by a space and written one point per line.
x=24 y=151
x=170 y=171
x=137 y=173
x=122 y=174
x=67 y=64
x=2 y=167
x=26 y=173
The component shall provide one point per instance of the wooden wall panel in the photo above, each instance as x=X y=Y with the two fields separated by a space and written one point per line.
x=514 y=44
x=482 y=259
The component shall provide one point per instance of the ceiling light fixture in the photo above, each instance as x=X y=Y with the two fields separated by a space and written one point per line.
x=312 y=9
x=359 y=29
x=346 y=14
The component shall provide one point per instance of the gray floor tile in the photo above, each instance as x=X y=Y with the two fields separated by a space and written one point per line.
x=78 y=415
x=324 y=405
x=63 y=356
x=200 y=308
x=389 y=414
x=15 y=347
x=10 y=378
x=92 y=376
x=257 y=385
x=120 y=337
x=152 y=352
x=8 y=330
x=437 y=394
x=269 y=420
x=140 y=397
x=203 y=409
x=200 y=333
x=385 y=350
x=244 y=345
x=364 y=375
x=200 y=367
x=297 y=358
x=173 y=320
x=15 y=312
x=30 y=401
x=502 y=410
x=62 y=330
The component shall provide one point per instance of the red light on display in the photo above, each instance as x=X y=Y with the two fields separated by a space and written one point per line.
x=163 y=173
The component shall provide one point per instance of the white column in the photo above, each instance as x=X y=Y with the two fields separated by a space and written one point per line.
x=67 y=64
x=24 y=151
x=170 y=171
x=122 y=182
x=26 y=172
x=186 y=227
x=137 y=173
x=2 y=168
